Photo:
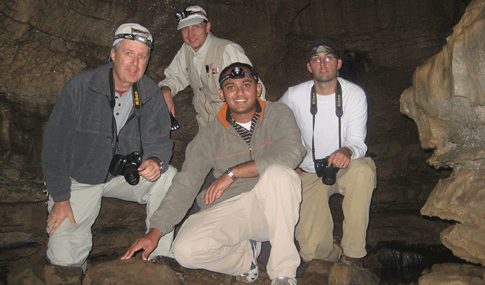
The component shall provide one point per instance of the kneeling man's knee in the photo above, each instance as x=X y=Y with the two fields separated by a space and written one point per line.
x=281 y=172
x=183 y=253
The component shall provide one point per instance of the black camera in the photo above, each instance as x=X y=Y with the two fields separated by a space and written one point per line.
x=328 y=173
x=175 y=124
x=126 y=165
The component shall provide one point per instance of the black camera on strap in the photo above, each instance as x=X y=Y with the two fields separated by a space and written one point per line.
x=126 y=165
x=322 y=169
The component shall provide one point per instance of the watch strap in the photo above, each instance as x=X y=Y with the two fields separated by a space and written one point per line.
x=231 y=174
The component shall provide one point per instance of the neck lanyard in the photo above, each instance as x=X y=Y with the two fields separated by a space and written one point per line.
x=338 y=112
x=135 y=91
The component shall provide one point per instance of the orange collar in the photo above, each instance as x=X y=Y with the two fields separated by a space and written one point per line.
x=222 y=113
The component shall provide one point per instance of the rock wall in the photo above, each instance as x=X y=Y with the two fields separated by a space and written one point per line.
x=44 y=43
x=447 y=102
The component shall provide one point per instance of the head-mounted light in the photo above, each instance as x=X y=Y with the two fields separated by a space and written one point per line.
x=238 y=73
x=321 y=50
x=136 y=38
x=180 y=15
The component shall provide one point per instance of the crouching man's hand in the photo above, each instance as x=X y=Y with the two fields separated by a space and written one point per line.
x=150 y=169
x=148 y=243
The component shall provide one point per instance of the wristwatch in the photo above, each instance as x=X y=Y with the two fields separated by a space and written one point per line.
x=229 y=172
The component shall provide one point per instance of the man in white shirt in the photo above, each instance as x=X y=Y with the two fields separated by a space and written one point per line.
x=327 y=133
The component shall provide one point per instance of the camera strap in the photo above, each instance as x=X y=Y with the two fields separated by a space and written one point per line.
x=135 y=91
x=338 y=112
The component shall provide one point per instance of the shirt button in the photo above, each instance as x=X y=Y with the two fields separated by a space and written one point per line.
x=117 y=114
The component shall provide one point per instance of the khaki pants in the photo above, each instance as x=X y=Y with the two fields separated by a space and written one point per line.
x=314 y=231
x=70 y=245
x=217 y=239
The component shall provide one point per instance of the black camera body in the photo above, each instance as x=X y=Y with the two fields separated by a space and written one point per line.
x=328 y=173
x=126 y=165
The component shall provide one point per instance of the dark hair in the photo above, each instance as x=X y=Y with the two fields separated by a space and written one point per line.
x=240 y=64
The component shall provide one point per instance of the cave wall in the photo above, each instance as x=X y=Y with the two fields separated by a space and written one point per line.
x=447 y=102
x=44 y=43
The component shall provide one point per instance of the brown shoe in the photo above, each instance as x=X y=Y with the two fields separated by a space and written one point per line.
x=357 y=262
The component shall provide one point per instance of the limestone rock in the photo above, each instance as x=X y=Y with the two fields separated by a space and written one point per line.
x=453 y=274
x=132 y=271
x=342 y=274
x=448 y=279
x=448 y=105
x=28 y=272
x=319 y=266
x=63 y=275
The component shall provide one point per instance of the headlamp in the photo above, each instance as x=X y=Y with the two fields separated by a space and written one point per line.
x=238 y=73
x=321 y=50
x=136 y=38
x=179 y=15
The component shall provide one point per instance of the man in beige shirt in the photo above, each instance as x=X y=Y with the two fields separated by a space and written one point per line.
x=198 y=63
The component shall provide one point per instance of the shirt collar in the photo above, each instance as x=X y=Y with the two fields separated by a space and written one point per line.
x=222 y=115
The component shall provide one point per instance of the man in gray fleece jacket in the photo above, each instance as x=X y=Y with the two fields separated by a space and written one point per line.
x=112 y=110
x=253 y=147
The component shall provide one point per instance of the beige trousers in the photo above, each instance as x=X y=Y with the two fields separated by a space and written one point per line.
x=217 y=239
x=70 y=245
x=314 y=231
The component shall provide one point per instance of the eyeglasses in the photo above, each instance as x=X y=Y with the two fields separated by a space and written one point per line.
x=318 y=59
x=136 y=38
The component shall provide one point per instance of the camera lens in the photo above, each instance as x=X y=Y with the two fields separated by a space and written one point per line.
x=132 y=176
x=329 y=175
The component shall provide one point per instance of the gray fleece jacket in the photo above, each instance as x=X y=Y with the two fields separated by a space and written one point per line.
x=276 y=140
x=78 y=137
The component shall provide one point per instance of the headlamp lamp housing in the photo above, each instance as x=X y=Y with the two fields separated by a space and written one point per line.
x=238 y=73
x=321 y=50
x=136 y=38
x=180 y=15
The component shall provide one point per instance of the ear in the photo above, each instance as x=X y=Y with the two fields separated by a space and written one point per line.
x=208 y=27
x=221 y=95
x=259 y=89
x=339 y=64
x=113 y=54
x=309 y=68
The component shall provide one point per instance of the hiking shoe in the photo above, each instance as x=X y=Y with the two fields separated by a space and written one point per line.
x=356 y=262
x=284 y=281
x=253 y=273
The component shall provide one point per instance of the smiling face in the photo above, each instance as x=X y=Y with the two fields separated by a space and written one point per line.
x=195 y=35
x=324 y=67
x=241 y=97
x=129 y=63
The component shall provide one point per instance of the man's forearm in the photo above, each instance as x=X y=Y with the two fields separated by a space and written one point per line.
x=245 y=170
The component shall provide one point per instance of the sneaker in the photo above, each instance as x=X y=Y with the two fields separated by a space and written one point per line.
x=336 y=243
x=253 y=273
x=284 y=281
